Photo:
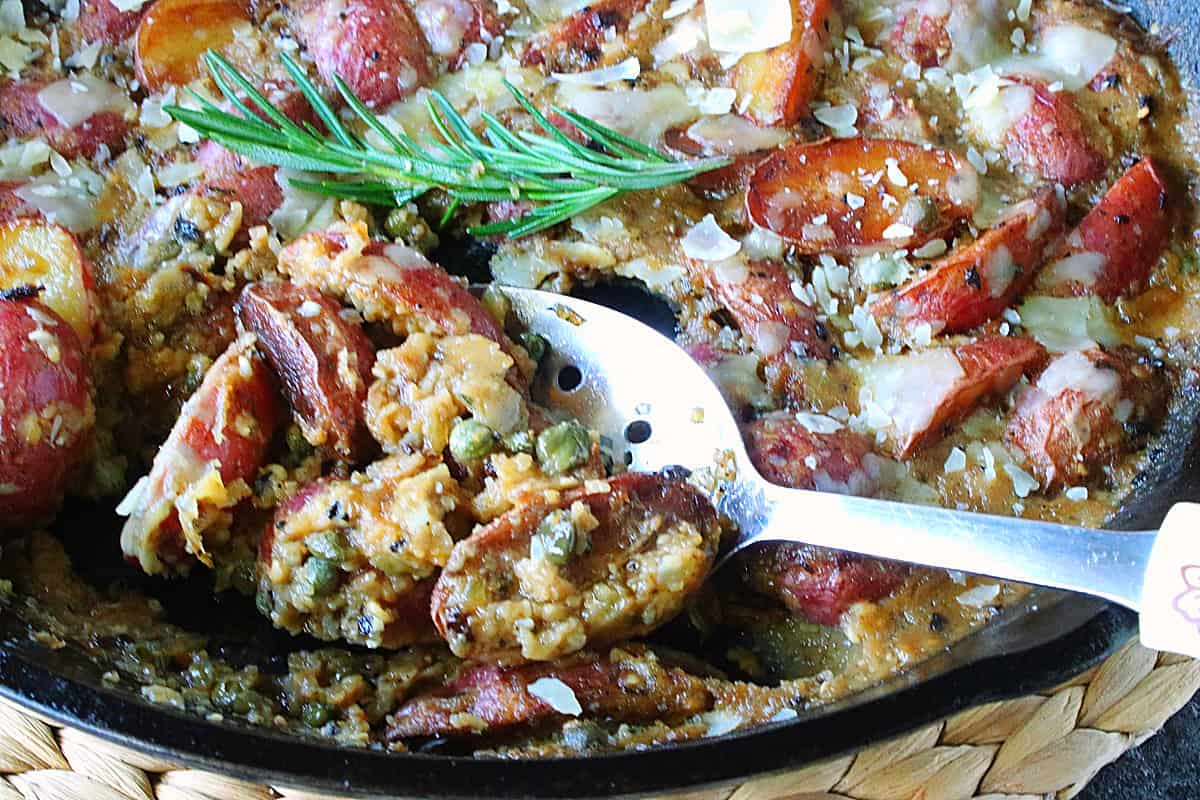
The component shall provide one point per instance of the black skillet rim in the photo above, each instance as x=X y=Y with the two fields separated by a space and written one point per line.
x=271 y=758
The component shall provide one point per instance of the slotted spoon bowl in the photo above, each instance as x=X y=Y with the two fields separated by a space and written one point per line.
x=658 y=410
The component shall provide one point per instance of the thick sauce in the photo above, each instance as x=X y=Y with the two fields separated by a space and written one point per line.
x=952 y=262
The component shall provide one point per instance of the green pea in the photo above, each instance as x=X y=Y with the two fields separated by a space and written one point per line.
x=398 y=222
x=518 y=442
x=199 y=673
x=170 y=249
x=195 y=376
x=329 y=545
x=316 y=714
x=298 y=447
x=497 y=303
x=583 y=735
x=322 y=574
x=535 y=345
x=262 y=602
x=232 y=694
x=563 y=447
x=555 y=539
x=921 y=213
x=406 y=225
x=244 y=577
x=471 y=439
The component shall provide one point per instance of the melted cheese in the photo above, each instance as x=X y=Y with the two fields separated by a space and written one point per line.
x=73 y=101
x=1076 y=371
x=909 y=389
x=736 y=26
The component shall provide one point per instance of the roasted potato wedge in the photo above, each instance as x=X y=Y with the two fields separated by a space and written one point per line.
x=375 y=46
x=759 y=296
x=1085 y=410
x=781 y=81
x=36 y=253
x=73 y=122
x=923 y=391
x=1116 y=246
x=974 y=284
x=787 y=452
x=48 y=410
x=1055 y=140
x=174 y=35
x=852 y=195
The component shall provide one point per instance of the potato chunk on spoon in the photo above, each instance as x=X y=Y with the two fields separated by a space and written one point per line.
x=660 y=410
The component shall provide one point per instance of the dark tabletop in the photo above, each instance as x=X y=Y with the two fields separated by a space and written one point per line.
x=1164 y=768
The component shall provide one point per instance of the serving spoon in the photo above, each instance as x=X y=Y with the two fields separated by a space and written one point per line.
x=659 y=410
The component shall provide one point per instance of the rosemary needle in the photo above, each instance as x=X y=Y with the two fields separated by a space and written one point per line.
x=558 y=177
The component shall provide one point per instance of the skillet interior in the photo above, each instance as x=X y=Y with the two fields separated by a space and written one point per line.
x=1030 y=647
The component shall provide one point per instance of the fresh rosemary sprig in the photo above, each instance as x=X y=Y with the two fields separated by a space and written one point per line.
x=558 y=176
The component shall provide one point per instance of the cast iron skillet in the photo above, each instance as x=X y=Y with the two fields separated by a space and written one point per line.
x=1027 y=649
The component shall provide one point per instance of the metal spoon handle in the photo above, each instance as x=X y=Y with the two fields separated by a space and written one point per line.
x=1157 y=574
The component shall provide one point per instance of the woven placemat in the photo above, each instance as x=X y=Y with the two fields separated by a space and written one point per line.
x=1045 y=745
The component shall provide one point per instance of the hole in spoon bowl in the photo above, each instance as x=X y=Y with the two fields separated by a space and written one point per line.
x=569 y=378
x=637 y=431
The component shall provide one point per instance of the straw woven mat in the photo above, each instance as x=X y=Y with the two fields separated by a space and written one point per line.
x=1044 y=746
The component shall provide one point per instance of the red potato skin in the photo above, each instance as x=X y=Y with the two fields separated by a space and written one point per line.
x=781 y=449
x=1130 y=227
x=992 y=364
x=961 y=291
x=39 y=384
x=451 y=25
x=603 y=685
x=22 y=115
x=255 y=188
x=814 y=583
x=921 y=37
x=798 y=184
x=218 y=162
x=12 y=207
x=101 y=21
x=305 y=351
x=1052 y=138
x=782 y=81
x=821 y=585
x=375 y=46
x=716 y=184
x=1068 y=437
x=576 y=43
x=154 y=537
x=766 y=309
